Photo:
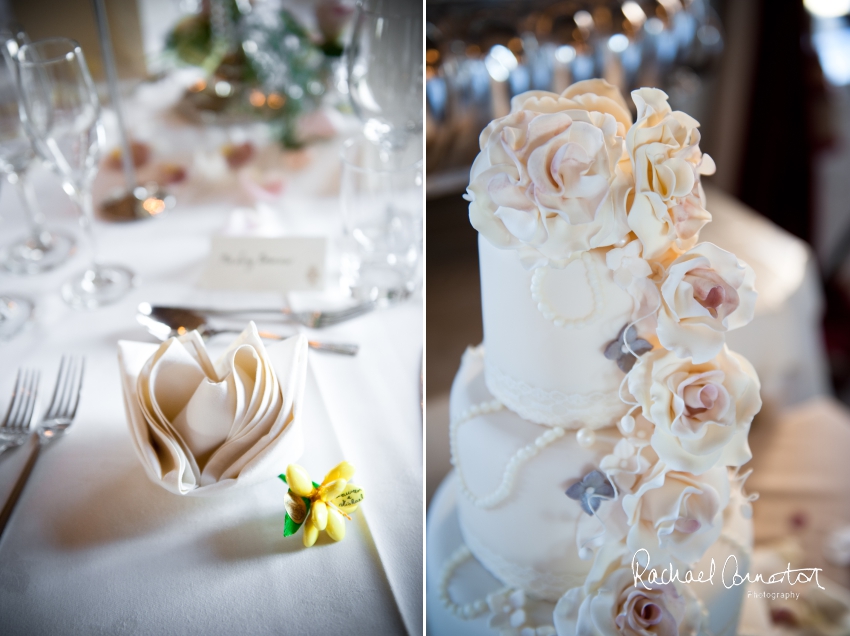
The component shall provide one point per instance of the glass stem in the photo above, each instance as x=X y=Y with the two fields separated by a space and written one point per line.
x=31 y=208
x=87 y=222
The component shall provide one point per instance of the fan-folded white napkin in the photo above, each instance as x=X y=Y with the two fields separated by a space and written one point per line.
x=200 y=427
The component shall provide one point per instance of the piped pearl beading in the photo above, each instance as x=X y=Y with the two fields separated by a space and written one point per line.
x=466 y=611
x=520 y=458
x=557 y=319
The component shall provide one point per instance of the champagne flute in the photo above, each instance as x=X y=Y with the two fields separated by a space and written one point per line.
x=63 y=114
x=42 y=249
x=384 y=61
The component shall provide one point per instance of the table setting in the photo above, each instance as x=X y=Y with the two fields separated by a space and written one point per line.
x=175 y=380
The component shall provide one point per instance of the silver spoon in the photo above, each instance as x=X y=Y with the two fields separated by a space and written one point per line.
x=166 y=322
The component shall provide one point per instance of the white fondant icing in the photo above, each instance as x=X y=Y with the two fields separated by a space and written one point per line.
x=515 y=463
x=544 y=306
x=530 y=535
x=548 y=374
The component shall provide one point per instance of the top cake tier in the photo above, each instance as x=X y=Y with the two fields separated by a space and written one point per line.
x=589 y=225
x=545 y=335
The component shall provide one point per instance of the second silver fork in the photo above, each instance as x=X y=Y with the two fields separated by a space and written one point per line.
x=58 y=417
x=66 y=398
x=15 y=428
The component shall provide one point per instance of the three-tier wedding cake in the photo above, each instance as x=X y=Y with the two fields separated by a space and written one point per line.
x=598 y=433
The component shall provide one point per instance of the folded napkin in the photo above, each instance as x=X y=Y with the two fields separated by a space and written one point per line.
x=199 y=427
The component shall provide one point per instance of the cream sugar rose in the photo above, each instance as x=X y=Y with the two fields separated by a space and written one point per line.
x=604 y=315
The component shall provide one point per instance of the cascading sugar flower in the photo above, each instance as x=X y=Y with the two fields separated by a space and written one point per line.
x=676 y=516
x=701 y=412
x=634 y=274
x=548 y=180
x=706 y=292
x=667 y=205
x=610 y=604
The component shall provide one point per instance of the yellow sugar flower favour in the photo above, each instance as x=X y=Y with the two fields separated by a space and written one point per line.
x=319 y=506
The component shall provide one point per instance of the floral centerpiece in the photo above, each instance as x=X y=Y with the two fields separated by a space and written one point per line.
x=260 y=62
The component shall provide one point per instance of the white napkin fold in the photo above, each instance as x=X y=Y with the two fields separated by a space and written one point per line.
x=199 y=427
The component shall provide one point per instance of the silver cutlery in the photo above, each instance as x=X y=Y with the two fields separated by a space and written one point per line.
x=59 y=416
x=167 y=322
x=15 y=428
x=66 y=398
x=311 y=319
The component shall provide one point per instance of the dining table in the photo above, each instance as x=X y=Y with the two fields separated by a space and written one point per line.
x=94 y=546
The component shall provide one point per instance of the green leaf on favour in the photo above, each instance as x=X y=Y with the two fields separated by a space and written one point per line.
x=290 y=526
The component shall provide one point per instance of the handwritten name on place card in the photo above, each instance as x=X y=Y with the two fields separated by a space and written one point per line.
x=266 y=264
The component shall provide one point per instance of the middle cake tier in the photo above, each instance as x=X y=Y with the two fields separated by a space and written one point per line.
x=546 y=331
x=513 y=513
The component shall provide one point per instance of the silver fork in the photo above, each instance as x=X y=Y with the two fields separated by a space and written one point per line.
x=15 y=428
x=311 y=319
x=59 y=416
x=66 y=398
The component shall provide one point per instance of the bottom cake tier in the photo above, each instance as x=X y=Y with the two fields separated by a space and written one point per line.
x=460 y=591
x=513 y=519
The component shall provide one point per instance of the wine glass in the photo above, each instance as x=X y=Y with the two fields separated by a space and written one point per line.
x=63 y=114
x=384 y=61
x=42 y=249
x=381 y=201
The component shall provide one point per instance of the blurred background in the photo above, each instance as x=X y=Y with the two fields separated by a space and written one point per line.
x=770 y=83
x=248 y=104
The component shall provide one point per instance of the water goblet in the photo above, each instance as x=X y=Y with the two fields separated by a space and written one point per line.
x=381 y=201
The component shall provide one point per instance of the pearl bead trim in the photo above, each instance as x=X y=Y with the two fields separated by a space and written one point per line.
x=467 y=611
x=562 y=321
x=520 y=458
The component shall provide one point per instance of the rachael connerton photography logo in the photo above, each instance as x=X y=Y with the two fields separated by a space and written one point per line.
x=730 y=576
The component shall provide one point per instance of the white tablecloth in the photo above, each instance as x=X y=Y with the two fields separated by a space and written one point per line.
x=94 y=547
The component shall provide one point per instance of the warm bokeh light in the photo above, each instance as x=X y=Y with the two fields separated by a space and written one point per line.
x=153 y=206
x=634 y=13
x=257 y=99
x=276 y=100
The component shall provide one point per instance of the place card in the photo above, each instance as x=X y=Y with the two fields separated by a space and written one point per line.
x=280 y=264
